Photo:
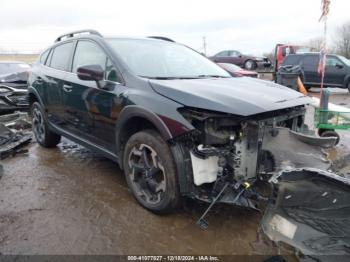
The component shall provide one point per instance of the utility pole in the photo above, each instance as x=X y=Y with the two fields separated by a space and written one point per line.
x=204 y=45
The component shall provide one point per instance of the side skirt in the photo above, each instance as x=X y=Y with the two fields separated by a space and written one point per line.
x=108 y=154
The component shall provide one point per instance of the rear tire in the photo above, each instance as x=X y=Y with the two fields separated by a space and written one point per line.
x=43 y=135
x=150 y=172
x=348 y=86
x=250 y=65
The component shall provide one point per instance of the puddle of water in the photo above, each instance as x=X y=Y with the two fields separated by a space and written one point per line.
x=71 y=201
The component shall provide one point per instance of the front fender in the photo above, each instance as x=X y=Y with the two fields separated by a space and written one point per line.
x=136 y=111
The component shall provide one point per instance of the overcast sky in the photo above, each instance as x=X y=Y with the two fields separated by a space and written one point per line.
x=252 y=26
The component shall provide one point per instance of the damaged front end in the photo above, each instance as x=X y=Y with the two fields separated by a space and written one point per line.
x=229 y=154
x=308 y=208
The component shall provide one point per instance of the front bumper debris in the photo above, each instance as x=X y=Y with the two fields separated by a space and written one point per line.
x=309 y=209
x=13 y=134
x=13 y=99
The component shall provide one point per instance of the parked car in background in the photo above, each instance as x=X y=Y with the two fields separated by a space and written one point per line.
x=235 y=70
x=337 y=72
x=13 y=86
x=237 y=58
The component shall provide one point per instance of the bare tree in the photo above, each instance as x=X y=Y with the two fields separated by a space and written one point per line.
x=315 y=43
x=342 y=40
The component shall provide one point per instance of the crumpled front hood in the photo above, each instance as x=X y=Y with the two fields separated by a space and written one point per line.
x=240 y=96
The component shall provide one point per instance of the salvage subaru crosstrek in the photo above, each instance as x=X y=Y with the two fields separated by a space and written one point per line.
x=174 y=121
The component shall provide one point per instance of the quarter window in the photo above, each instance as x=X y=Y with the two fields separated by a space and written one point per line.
x=44 y=56
x=61 y=55
x=111 y=73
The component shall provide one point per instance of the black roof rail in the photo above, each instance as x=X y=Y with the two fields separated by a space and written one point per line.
x=162 y=38
x=72 y=34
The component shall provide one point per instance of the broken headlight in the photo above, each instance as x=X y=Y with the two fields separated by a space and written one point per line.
x=215 y=128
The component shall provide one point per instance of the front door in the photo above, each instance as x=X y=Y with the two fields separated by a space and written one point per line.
x=90 y=110
x=335 y=72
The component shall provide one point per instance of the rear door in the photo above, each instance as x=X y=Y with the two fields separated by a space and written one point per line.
x=90 y=110
x=52 y=81
x=236 y=58
x=335 y=72
x=309 y=67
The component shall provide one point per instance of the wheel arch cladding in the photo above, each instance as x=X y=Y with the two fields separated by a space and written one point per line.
x=34 y=96
x=133 y=119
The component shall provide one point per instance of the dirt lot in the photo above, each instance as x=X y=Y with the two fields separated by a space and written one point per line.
x=68 y=200
x=28 y=58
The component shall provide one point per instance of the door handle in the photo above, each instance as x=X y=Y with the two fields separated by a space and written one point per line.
x=67 y=88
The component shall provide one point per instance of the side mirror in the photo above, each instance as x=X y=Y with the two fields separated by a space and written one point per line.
x=90 y=73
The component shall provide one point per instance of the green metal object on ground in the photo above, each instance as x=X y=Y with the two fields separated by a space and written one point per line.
x=327 y=119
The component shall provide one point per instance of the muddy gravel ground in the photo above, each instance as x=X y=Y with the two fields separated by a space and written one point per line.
x=68 y=200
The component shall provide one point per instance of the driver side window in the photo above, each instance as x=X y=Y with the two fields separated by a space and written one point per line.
x=234 y=54
x=88 y=53
x=332 y=61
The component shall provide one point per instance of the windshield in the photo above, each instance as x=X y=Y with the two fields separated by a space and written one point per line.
x=344 y=60
x=162 y=59
x=13 y=68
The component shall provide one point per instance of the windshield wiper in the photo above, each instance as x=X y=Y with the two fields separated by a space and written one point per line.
x=214 y=76
x=169 y=77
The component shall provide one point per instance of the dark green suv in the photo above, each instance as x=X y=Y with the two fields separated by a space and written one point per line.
x=176 y=123
x=337 y=72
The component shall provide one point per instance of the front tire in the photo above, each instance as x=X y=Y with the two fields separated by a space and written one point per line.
x=150 y=172
x=41 y=131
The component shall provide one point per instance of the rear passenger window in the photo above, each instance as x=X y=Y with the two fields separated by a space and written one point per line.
x=311 y=60
x=88 y=53
x=222 y=54
x=61 y=55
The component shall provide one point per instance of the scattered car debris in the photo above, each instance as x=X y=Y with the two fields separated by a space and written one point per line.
x=13 y=86
x=310 y=210
x=14 y=134
x=17 y=120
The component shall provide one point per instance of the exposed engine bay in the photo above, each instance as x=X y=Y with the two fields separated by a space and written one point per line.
x=230 y=154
